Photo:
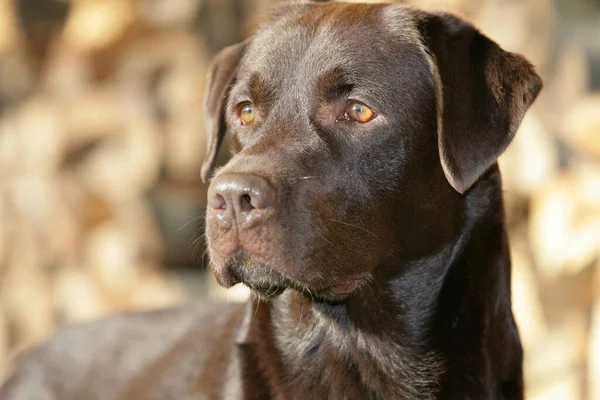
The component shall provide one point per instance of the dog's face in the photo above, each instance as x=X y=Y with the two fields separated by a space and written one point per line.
x=346 y=153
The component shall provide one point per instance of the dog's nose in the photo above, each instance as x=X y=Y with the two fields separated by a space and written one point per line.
x=241 y=199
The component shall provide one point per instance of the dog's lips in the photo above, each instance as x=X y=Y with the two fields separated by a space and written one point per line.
x=268 y=282
x=225 y=278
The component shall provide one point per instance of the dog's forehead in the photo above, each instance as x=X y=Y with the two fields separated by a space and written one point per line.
x=320 y=37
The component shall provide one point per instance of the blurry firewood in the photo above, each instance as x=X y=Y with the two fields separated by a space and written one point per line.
x=111 y=255
x=118 y=252
x=128 y=279
x=147 y=56
x=531 y=24
x=581 y=126
x=567 y=294
x=96 y=24
x=185 y=147
x=61 y=232
x=527 y=306
x=180 y=208
x=169 y=13
x=565 y=222
x=8 y=143
x=569 y=84
x=32 y=199
x=34 y=137
x=552 y=363
x=531 y=161
x=9 y=32
x=25 y=287
x=94 y=210
x=221 y=22
x=465 y=8
x=257 y=10
x=17 y=77
x=594 y=343
x=138 y=220
x=123 y=167
x=181 y=91
x=154 y=291
x=177 y=68
x=93 y=116
x=41 y=22
x=87 y=207
x=492 y=20
x=4 y=224
x=77 y=296
x=4 y=349
x=67 y=74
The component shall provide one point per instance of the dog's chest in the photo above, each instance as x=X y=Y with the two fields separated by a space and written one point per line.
x=325 y=360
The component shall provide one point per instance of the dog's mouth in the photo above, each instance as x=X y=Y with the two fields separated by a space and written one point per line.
x=268 y=283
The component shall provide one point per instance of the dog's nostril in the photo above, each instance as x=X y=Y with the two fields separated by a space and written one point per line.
x=246 y=203
x=221 y=203
x=247 y=200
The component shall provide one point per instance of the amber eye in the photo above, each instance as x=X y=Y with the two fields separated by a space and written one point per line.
x=246 y=112
x=359 y=113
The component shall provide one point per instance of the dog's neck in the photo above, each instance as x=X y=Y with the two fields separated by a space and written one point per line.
x=420 y=327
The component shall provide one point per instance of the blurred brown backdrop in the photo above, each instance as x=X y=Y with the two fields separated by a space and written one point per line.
x=101 y=140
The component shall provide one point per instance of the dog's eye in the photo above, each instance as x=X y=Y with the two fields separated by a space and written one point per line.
x=246 y=113
x=359 y=112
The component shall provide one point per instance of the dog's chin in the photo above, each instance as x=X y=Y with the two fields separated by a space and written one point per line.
x=266 y=282
x=261 y=278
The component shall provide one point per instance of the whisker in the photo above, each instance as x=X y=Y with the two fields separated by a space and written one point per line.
x=353 y=226
x=311 y=295
x=190 y=221
x=337 y=221
x=194 y=252
x=195 y=242
x=198 y=239
x=328 y=241
x=202 y=258
x=273 y=290
x=301 y=309
x=257 y=303
x=196 y=245
x=200 y=228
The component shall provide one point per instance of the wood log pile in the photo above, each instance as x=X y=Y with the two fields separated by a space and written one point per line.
x=101 y=141
x=100 y=101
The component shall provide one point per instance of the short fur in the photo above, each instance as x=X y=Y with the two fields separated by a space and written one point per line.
x=407 y=207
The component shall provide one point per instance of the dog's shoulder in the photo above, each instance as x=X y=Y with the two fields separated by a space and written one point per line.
x=85 y=359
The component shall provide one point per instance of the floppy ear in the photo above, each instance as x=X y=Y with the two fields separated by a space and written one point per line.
x=482 y=94
x=220 y=78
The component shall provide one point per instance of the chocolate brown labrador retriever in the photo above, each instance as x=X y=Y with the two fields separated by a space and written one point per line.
x=362 y=205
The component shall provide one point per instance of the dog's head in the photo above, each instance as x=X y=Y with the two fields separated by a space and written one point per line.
x=356 y=130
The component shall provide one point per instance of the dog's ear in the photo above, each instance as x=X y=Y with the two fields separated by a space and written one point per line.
x=482 y=94
x=220 y=78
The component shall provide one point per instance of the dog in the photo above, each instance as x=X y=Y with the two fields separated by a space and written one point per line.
x=362 y=205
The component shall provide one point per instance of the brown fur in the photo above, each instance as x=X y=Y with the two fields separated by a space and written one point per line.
x=376 y=252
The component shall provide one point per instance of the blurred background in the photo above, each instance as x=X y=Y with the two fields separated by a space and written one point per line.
x=101 y=141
